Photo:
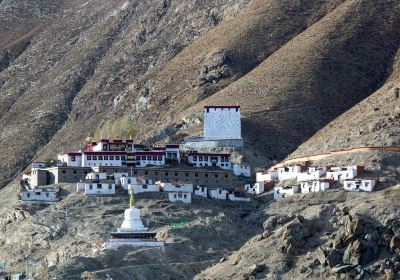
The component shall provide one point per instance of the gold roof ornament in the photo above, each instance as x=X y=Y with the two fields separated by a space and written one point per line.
x=132 y=200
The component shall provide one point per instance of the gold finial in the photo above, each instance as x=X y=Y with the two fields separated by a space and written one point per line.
x=132 y=201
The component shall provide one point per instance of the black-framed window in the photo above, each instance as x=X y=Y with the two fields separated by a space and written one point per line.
x=116 y=157
x=143 y=157
x=100 y=157
x=94 y=157
x=148 y=157
x=155 y=158
x=205 y=158
x=160 y=158
x=122 y=157
x=105 y=157
x=194 y=158
x=72 y=158
x=88 y=157
x=111 y=157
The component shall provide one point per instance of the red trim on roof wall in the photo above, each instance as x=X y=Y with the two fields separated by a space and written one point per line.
x=150 y=153
x=74 y=154
x=108 y=153
x=172 y=146
x=211 y=155
x=222 y=106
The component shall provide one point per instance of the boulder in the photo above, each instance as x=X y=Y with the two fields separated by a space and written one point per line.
x=395 y=243
x=321 y=256
x=270 y=223
x=352 y=253
x=333 y=257
x=253 y=270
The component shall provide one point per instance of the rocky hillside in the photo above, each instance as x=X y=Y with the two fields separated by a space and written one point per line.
x=294 y=66
x=335 y=235
x=63 y=240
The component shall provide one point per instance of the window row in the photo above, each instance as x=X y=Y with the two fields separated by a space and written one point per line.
x=212 y=159
x=105 y=158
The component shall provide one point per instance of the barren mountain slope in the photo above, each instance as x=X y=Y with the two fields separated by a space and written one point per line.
x=318 y=75
x=157 y=98
x=373 y=122
x=75 y=68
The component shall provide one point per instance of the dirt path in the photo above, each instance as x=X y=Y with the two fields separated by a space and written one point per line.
x=335 y=153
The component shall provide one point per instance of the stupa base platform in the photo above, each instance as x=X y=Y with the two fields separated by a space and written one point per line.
x=114 y=243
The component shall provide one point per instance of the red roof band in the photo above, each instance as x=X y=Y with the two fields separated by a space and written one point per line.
x=207 y=154
x=149 y=153
x=222 y=106
x=110 y=153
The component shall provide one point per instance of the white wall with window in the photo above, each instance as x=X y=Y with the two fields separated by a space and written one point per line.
x=257 y=188
x=169 y=187
x=204 y=160
x=180 y=197
x=90 y=159
x=172 y=152
x=124 y=181
x=218 y=194
x=71 y=159
x=201 y=191
x=241 y=169
x=356 y=185
x=144 y=159
x=288 y=172
x=283 y=192
x=96 y=176
x=342 y=174
x=101 y=188
x=313 y=186
x=47 y=195
x=141 y=188
x=268 y=176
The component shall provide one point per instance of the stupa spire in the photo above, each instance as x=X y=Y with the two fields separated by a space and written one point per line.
x=132 y=200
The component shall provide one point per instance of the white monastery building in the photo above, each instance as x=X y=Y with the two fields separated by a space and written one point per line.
x=313 y=173
x=288 y=172
x=222 y=122
x=46 y=195
x=169 y=187
x=218 y=194
x=240 y=169
x=342 y=173
x=95 y=187
x=269 y=176
x=201 y=191
x=257 y=188
x=142 y=186
x=357 y=185
x=281 y=192
x=96 y=176
x=313 y=186
x=208 y=159
x=180 y=197
x=125 y=181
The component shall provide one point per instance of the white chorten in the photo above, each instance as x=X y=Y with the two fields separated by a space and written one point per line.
x=132 y=221
x=132 y=232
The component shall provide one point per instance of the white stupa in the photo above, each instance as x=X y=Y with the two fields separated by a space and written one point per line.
x=132 y=231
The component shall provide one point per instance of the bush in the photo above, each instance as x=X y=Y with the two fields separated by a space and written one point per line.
x=122 y=128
